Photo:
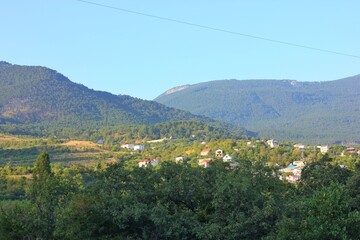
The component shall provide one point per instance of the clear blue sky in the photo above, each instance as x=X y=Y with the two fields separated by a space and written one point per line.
x=123 y=53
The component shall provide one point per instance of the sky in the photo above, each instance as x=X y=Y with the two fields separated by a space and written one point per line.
x=108 y=49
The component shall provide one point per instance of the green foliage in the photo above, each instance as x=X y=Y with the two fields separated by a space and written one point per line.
x=353 y=188
x=322 y=174
x=325 y=214
x=17 y=220
x=175 y=202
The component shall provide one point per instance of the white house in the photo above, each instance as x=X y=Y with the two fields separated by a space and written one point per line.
x=300 y=146
x=154 y=162
x=323 y=148
x=272 y=143
x=139 y=147
x=179 y=159
x=219 y=153
x=127 y=146
x=227 y=158
x=299 y=164
x=145 y=163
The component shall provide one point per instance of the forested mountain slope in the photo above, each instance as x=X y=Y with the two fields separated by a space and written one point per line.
x=31 y=95
x=303 y=111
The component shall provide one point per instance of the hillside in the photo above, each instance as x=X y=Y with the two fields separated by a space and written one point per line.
x=38 y=95
x=313 y=112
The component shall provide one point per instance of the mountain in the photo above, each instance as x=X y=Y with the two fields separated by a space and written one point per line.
x=312 y=112
x=32 y=95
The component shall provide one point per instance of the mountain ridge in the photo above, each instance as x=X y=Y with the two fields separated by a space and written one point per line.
x=35 y=94
x=324 y=111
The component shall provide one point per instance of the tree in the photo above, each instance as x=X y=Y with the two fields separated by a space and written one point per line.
x=16 y=220
x=322 y=173
x=326 y=214
x=42 y=168
x=43 y=195
x=353 y=188
x=246 y=204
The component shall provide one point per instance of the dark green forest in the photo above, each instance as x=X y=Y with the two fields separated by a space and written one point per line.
x=310 y=112
x=178 y=201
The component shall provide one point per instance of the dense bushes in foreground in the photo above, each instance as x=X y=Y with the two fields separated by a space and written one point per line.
x=176 y=201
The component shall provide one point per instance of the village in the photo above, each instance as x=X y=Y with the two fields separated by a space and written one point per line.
x=288 y=170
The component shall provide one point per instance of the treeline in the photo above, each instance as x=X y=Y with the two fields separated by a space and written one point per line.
x=177 y=201
x=93 y=131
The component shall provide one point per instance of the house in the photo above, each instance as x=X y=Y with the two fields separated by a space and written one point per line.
x=293 y=178
x=219 y=153
x=294 y=170
x=205 y=152
x=100 y=142
x=205 y=163
x=299 y=164
x=351 y=150
x=300 y=146
x=139 y=147
x=179 y=159
x=249 y=144
x=289 y=169
x=127 y=146
x=227 y=158
x=323 y=148
x=145 y=163
x=154 y=162
x=272 y=143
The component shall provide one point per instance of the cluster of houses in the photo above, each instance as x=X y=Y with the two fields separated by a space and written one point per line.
x=292 y=172
x=274 y=144
x=219 y=154
x=205 y=161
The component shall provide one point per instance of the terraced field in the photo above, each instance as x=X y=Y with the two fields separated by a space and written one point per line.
x=24 y=151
